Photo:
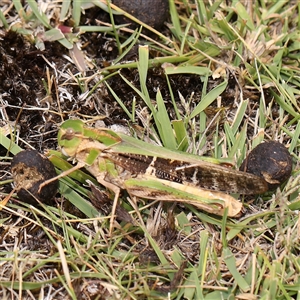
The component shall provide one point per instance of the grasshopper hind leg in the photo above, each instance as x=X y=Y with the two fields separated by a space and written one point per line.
x=116 y=190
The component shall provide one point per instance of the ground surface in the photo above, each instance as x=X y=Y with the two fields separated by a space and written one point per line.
x=66 y=249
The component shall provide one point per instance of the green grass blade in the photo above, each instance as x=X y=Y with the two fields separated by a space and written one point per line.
x=162 y=119
x=65 y=9
x=129 y=114
x=39 y=15
x=3 y=20
x=176 y=28
x=82 y=204
x=201 y=71
x=9 y=144
x=181 y=134
x=209 y=98
x=231 y=265
x=76 y=11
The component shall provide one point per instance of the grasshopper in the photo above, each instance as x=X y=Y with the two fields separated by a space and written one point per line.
x=148 y=171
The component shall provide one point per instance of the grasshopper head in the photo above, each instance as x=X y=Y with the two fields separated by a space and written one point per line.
x=70 y=136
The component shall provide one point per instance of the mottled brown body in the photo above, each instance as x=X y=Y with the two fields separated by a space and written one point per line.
x=205 y=175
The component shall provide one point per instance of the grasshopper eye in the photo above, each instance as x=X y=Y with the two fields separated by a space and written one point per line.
x=69 y=134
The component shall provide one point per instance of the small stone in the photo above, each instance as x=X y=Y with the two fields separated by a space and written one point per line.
x=271 y=161
x=30 y=169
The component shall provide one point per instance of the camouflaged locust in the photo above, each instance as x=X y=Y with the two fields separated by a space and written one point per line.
x=147 y=171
